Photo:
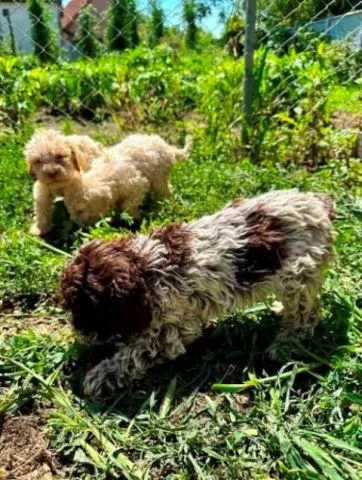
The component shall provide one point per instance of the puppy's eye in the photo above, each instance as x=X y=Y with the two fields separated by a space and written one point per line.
x=59 y=159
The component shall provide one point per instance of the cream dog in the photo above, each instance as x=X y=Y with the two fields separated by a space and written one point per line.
x=118 y=180
x=54 y=161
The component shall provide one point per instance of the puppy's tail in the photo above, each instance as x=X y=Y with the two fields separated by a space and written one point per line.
x=181 y=153
x=329 y=205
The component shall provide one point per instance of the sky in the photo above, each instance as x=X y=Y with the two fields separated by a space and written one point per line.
x=173 y=15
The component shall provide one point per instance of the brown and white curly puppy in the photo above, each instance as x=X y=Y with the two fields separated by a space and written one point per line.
x=54 y=161
x=158 y=291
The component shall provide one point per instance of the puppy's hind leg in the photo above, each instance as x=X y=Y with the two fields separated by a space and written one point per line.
x=301 y=305
x=300 y=314
x=161 y=188
x=132 y=204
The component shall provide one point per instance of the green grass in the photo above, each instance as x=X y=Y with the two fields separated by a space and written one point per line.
x=300 y=418
x=345 y=98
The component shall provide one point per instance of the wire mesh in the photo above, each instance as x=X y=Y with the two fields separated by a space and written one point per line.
x=62 y=57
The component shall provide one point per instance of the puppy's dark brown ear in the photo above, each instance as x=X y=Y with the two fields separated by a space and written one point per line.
x=106 y=290
x=129 y=296
x=78 y=159
x=135 y=311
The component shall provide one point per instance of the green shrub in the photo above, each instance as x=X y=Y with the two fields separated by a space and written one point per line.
x=87 y=35
x=122 y=28
x=132 y=23
x=162 y=85
x=19 y=94
x=156 y=23
x=81 y=88
x=116 y=28
x=190 y=16
x=44 y=40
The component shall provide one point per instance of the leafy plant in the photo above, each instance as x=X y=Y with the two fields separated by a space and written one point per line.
x=295 y=11
x=132 y=19
x=44 y=40
x=116 y=33
x=233 y=35
x=122 y=27
x=87 y=34
x=190 y=17
x=156 y=23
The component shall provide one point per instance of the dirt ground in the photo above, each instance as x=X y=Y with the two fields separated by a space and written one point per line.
x=111 y=130
x=14 y=323
x=24 y=452
x=345 y=120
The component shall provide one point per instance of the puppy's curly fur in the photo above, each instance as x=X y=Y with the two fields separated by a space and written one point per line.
x=54 y=161
x=117 y=179
x=153 y=157
x=121 y=177
x=158 y=291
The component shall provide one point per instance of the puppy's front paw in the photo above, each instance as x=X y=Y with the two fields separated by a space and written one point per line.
x=92 y=385
x=35 y=230
x=283 y=348
x=100 y=381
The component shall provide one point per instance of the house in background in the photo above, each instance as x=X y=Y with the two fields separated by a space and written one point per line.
x=15 y=27
x=342 y=27
x=71 y=11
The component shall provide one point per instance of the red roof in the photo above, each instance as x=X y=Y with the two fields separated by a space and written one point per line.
x=70 y=12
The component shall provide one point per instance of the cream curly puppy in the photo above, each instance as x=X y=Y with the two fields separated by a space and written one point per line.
x=152 y=156
x=118 y=180
x=157 y=292
x=54 y=161
x=121 y=177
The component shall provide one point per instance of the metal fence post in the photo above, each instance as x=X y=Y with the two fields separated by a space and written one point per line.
x=250 y=42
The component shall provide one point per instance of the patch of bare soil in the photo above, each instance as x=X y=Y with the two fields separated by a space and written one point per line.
x=347 y=120
x=107 y=128
x=113 y=129
x=14 y=323
x=24 y=452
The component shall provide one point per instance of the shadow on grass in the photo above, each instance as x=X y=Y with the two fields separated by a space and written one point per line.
x=226 y=353
x=66 y=235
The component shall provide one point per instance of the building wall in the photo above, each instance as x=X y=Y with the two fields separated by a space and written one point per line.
x=21 y=24
x=342 y=27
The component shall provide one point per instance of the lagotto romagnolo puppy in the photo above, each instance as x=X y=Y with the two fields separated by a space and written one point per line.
x=121 y=177
x=53 y=161
x=117 y=180
x=158 y=291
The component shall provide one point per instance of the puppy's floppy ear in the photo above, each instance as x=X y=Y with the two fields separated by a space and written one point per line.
x=29 y=164
x=106 y=290
x=135 y=309
x=78 y=159
x=128 y=292
x=31 y=172
x=30 y=168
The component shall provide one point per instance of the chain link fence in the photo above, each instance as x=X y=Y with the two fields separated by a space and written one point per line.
x=301 y=25
x=154 y=60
